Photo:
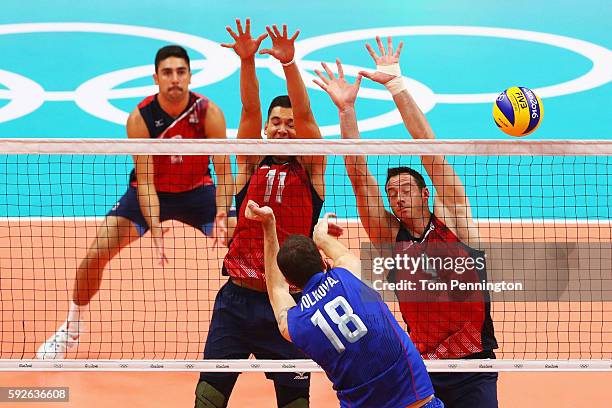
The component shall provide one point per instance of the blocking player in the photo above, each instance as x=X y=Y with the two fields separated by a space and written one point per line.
x=243 y=322
x=340 y=322
x=451 y=329
x=161 y=187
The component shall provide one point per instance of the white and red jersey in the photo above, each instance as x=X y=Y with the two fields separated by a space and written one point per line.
x=174 y=174
x=284 y=187
x=444 y=324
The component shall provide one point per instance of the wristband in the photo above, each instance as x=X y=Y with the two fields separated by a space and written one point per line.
x=286 y=64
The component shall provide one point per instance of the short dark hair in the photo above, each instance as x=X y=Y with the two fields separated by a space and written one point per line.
x=282 y=100
x=396 y=171
x=299 y=259
x=171 y=51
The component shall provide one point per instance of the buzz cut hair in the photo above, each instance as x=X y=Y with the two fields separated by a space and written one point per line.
x=281 y=100
x=396 y=171
x=171 y=51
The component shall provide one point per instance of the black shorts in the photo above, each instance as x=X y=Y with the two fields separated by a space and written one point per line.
x=466 y=390
x=242 y=324
x=196 y=207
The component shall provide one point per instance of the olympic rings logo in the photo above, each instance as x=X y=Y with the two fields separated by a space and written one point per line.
x=94 y=96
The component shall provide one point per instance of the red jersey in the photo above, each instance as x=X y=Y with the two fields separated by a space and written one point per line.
x=444 y=323
x=284 y=187
x=175 y=174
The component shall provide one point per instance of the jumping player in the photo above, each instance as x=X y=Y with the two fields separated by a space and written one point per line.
x=161 y=187
x=450 y=329
x=339 y=322
x=243 y=322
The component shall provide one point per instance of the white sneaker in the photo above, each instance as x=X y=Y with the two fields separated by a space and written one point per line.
x=66 y=337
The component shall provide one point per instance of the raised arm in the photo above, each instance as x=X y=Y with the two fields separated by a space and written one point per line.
x=283 y=49
x=449 y=188
x=250 y=117
x=277 y=286
x=246 y=47
x=215 y=129
x=147 y=195
x=381 y=226
x=325 y=236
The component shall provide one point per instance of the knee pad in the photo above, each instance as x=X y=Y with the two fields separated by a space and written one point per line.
x=298 y=403
x=291 y=397
x=208 y=396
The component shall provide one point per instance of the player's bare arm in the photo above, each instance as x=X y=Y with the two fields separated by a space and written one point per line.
x=455 y=208
x=277 y=286
x=147 y=195
x=283 y=49
x=281 y=319
x=325 y=236
x=245 y=46
x=381 y=226
x=215 y=128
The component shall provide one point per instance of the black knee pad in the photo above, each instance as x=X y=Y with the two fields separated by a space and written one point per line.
x=298 y=403
x=292 y=397
x=207 y=396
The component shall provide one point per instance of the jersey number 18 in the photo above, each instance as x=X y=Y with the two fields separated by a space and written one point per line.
x=342 y=321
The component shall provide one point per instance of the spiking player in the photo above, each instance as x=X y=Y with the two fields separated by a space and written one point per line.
x=339 y=322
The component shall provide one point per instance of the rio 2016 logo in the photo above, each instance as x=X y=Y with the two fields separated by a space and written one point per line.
x=94 y=96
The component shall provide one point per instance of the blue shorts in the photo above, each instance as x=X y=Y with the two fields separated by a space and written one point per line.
x=242 y=324
x=466 y=390
x=196 y=207
x=434 y=403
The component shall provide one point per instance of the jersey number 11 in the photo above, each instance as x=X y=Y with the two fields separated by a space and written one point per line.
x=270 y=178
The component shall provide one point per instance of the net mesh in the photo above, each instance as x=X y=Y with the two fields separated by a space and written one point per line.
x=54 y=196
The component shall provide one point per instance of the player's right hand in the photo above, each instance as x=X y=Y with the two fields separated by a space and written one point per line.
x=157 y=233
x=256 y=213
x=245 y=46
x=219 y=235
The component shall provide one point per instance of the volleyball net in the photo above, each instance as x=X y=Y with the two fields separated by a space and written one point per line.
x=542 y=211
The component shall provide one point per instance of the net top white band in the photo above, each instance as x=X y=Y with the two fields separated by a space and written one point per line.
x=293 y=365
x=395 y=147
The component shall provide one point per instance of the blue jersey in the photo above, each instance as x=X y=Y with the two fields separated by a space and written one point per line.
x=346 y=328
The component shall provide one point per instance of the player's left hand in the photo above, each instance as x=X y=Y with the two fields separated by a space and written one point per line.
x=342 y=93
x=283 y=47
x=220 y=229
x=256 y=213
x=325 y=228
x=386 y=57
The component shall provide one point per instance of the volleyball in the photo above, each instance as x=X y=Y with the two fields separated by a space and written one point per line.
x=518 y=111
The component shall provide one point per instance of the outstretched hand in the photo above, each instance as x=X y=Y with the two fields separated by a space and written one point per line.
x=256 y=213
x=245 y=46
x=283 y=47
x=342 y=93
x=387 y=57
